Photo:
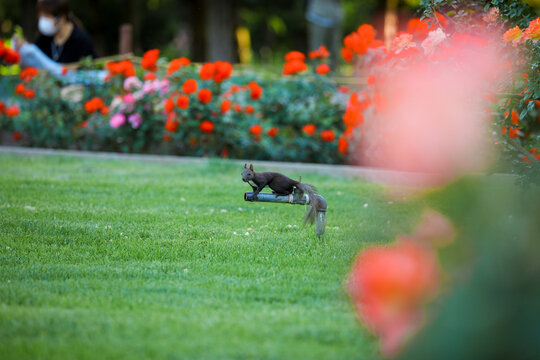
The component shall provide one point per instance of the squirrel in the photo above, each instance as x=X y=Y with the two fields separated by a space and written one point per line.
x=281 y=185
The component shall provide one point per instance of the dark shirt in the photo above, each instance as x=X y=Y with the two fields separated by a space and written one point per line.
x=77 y=46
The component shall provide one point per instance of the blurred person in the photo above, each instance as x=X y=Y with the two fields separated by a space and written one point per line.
x=325 y=18
x=60 y=41
x=60 y=38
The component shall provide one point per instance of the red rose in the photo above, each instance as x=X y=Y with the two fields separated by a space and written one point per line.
x=256 y=129
x=206 y=126
x=204 y=96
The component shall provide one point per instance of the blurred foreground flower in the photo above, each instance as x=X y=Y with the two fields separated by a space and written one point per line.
x=426 y=118
x=389 y=286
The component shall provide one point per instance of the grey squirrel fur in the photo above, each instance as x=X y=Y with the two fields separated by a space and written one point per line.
x=281 y=185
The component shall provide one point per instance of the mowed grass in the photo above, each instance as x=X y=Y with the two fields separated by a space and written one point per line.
x=129 y=259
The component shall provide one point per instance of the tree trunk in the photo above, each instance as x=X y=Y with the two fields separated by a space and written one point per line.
x=219 y=26
x=28 y=20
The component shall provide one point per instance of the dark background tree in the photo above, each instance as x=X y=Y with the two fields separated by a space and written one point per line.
x=200 y=29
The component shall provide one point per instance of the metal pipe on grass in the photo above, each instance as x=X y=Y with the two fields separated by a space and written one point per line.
x=295 y=198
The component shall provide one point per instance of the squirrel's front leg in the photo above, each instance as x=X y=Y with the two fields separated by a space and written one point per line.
x=258 y=190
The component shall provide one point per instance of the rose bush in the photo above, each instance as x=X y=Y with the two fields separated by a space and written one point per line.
x=456 y=49
x=182 y=108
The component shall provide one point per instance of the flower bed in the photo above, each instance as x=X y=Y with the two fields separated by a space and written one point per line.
x=182 y=108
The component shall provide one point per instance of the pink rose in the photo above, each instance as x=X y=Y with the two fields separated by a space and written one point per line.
x=117 y=120
x=131 y=83
x=135 y=120
x=128 y=98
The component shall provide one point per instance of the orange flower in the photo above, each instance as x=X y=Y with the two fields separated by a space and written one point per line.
x=124 y=67
x=150 y=76
x=343 y=145
x=19 y=89
x=149 y=60
x=249 y=109
x=225 y=106
x=2 y=105
x=12 y=111
x=17 y=136
x=388 y=286
x=93 y=105
x=347 y=54
x=223 y=71
x=514 y=132
x=294 y=67
x=29 y=94
x=322 y=69
x=207 y=71
x=237 y=107
x=182 y=102
x=273 y=131
x=353 y=116
x=256 y=129
x=128 y=69
x=515 y=118
x=366 y=33
x=65 y=70
x=359 y=42
x=172 y=125
x=256 y=90
x=176 y=64
x=309 y=129
x=328 y=135
x=169 y=105
x=440 y=20
x=512 y=35
x=206 y=126
x=533 y=30
x=104 y=110
x=11 y=56
x=28 y=74
x=204 y=96
x=295 y=56
x=356 y=43
x=418 y=28
x=371 y=80
x=322 y=52
x=189 y=86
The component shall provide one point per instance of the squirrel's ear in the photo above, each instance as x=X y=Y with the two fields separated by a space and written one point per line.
x=245 y=166
x=251 y=167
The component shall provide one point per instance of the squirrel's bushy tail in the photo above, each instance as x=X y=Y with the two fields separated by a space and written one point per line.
x=313 y=199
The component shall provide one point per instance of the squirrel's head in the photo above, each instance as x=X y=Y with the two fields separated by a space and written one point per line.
x=248 y=173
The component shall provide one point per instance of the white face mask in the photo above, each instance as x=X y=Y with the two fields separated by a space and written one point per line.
x=47 y=26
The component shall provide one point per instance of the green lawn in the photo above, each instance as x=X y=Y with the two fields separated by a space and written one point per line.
x=132 y=259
